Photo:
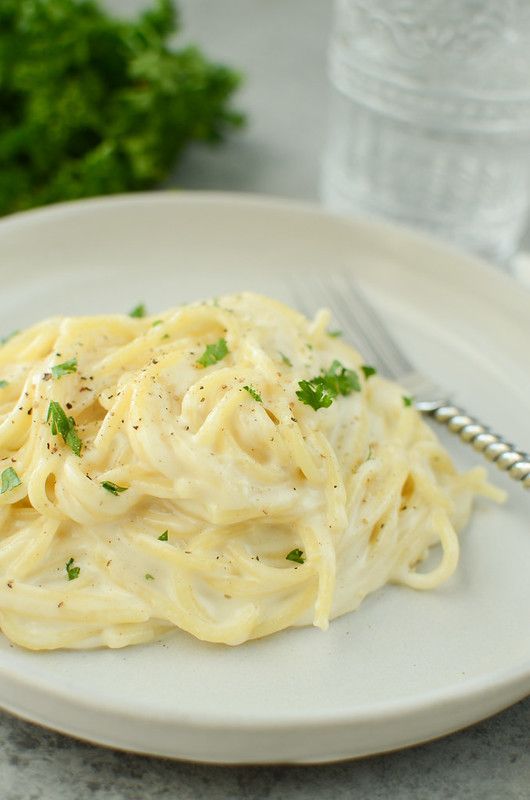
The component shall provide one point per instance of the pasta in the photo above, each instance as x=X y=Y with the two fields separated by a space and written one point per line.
x=228 y=468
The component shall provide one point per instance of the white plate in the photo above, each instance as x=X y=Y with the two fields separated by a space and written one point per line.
x=407 y=666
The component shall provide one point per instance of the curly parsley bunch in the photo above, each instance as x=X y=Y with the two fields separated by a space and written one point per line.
x=92 y=105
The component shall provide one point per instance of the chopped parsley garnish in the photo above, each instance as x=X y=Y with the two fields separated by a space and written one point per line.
x=66 y=368
x=163 y=536
x=253 y=393
x=341 y=380
x=3 y=384
x=286 y=360
x=407 y=401
x=335 y=334
x=213 y=353
x=113 y=488
x=7 y=338
x=314 y=393
x=139 y=311
x=61 y=424
x=149 y=577
x=71 y=571
x=157 y=322
x=319 y=392
x=368 y=370
x=10 y=480
x=296 y=555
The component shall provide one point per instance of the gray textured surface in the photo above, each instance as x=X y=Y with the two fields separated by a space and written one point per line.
x=490 y=761
x=280 y=44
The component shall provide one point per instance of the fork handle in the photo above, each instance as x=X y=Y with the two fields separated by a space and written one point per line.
x=495 y=448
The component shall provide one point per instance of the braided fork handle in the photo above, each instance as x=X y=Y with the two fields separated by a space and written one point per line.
x=495 y=448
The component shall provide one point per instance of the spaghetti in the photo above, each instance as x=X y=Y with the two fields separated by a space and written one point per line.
x=228 y=468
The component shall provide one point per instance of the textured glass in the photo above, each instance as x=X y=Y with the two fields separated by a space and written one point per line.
x=430 y=117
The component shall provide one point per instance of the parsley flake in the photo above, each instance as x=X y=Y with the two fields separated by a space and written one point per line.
x=341 y=380
x=138 y=312
x=296 y=555
x=3 y=384
x=286 y=360
x=113 y=488
x=335 y=334
x=213 y=353
x=319 y=392
x=66 y=368
x=163 y=537
x=61 y=424
x=407 y=401
x=253 y=393
x=10 y=480
x=157 y=322
x=368 y=370
x=148 y=576
x=314 y=393
x=71 y=571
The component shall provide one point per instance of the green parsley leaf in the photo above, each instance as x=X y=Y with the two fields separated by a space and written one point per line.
x=8 y=338
x=213 y=353
x=148 y=577
x=368 y=370
x=10 y=480
x=314 y=393
x=334 y=334
x=3 y=384
x=319 y=392
x=113 y=488
x=286 y=360
x=253 y=393
x=138 y=312
x=157 y=322
x=71 y=571
x=163 y=537
x=341 y=380
x=65 y=368
x=407 y=401
x=65 y=426
x=296 y=555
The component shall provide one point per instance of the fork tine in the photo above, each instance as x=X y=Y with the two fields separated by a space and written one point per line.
x=315 y=293
x=358 y=320
x=356 y=316
x=362 y=326
x=384 y=343
x=351 y=323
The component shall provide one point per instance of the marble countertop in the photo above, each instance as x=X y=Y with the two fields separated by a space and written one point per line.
x=490 y=761
x=281 y=46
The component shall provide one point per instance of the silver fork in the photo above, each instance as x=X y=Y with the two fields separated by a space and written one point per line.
x=363 y=327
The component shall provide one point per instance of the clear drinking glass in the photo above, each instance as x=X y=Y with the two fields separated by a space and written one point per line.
x=430 y=117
